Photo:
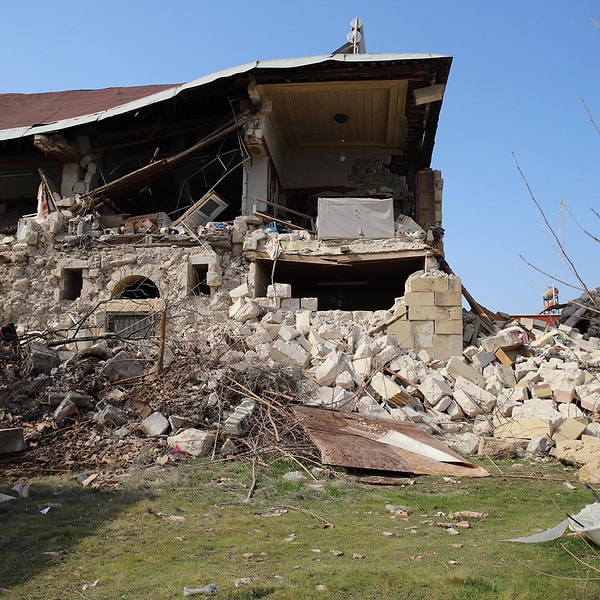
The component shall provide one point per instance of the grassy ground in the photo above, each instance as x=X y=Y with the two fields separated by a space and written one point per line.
x=163 y=529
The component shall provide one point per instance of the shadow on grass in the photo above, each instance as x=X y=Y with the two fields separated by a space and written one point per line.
x=41 y=530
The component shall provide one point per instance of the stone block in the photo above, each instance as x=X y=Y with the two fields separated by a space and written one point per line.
x=42 y=359
x=446 y=327
x=239 y=422
x=291 y=304
x=564 y=394
x=467 y=404
x=434 y=387
x=420 y=298
x=538 y=408
x=123 y=368
x=345 y=380
x=591 y=402
x=389 y=390
x=12 y=440
x=311 y=304
x=194 y=442
x=288 y=333
x=523 y=428
x=456 y=367
x=446 y=346
x=154 y=425
x=289 y=354
x=327 y=372
x=484 y=399
x=541 y=390
x=241 y=291
x=279 y=290
x=403 y=333
x=569 y=429
x=303 y=321
x=448 y=299
x=483 y=358
x=509 y=340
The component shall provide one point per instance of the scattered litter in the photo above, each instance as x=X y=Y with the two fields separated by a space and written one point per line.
x=569 y=485
x=389 y=533
x=22 y=489
x=320 y=587
x=357 y=555
x=242 y=581
x=291 y=537
x=86 y=586
x=208 y=590
x=337 y=553
x=6 y=498
x=417 y=557
x=586 y=523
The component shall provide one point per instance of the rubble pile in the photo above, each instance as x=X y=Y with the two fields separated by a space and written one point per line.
x=108 y=407
x=583 y=314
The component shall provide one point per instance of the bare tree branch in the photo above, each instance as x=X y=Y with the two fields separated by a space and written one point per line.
x=549 y=275
x=564 y=205
x=587 y=110
x=559 y=245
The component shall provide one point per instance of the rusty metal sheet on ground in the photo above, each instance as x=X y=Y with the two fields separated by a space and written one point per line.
x=376 y=444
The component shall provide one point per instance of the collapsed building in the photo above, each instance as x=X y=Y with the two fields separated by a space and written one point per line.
x=299 y=184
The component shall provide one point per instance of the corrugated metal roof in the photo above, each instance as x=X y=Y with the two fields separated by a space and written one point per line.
x=27 y=114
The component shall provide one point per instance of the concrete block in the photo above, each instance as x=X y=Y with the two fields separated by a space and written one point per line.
x=327 y=372
x=571 y=411
x=509 y=340
x=483 y=358
x=243 y=310
x=288 y=333
x=431 y=313
x=448 y=299
x=446 y=346
x=569 y=429
x=420 y=298
x=455 y=412
x=303 y=321
x=524 y=428
x=328 y=332
x=290 y=354
x=467 y=404
x=564 y=394
x=483 y=398
x=443 y=403
x=361 y=368
x=291 y=304
x=279 y=290
x=446 y=327
x=123 y=368
x=434 y=387
x=345 y=381
x=591 y=402
x=389 y=390
x=403 y=333
x=239 y=422
x=456 y=367
x=241 y=291
x=311 y=304
x=538 y=408
x=260 y=336
x=42 y=359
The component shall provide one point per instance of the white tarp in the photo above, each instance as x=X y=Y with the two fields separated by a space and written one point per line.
x=354 y=218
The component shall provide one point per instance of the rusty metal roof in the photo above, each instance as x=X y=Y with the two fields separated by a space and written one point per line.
x=27 y=114
x=383 y=445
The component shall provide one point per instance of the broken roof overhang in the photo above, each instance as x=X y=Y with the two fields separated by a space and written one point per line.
x=20 y=130
x=354 y=441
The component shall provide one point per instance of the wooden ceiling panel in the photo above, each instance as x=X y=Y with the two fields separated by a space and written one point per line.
x=303 y=115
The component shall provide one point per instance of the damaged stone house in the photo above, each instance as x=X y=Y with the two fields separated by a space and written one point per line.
x=298 y=184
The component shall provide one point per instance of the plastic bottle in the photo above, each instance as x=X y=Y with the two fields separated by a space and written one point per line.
x=207 y=590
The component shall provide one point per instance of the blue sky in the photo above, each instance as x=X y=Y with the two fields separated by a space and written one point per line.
x=520 y=71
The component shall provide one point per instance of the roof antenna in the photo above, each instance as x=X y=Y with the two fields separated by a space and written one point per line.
x=356 y=36
x=355 y=39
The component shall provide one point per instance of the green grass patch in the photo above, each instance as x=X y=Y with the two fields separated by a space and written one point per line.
x=163 y=529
